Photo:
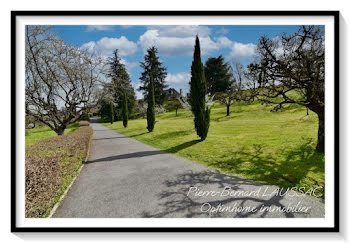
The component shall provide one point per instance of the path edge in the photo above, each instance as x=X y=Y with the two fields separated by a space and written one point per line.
x=58 y=203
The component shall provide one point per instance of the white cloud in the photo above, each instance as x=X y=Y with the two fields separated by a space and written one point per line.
x=128 y=65
x=179 y=41
x=222 y=31
x=106 y=46
x=174 y=46
x=178 y=78
x=181 y=30
x=138 y=94
x=99 y=28
x=224 y=42
x=240 y=50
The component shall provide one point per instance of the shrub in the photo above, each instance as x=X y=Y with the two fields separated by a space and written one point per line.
x=85 y=117
x=84 y=123
x=50 y=166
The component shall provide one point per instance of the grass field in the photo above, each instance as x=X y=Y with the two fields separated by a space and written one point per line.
x=42 y=132
x=270 y=147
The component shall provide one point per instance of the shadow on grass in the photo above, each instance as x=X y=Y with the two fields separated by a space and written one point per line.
x=73 y=127
x=226 y=118
x=182 y=146
x=136 y=135
x=286 y=169
x=173 y=134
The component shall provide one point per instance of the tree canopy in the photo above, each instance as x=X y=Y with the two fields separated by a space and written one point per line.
x=60 y=79
x=218 y=74
x=290 y=70
x=120 y=83
x=151 y=64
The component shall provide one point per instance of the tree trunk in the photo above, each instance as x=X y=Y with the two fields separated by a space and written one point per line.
x=227 y=110
x=176 y=112
x=60 y=130
x=320 y=136
x=254 y=93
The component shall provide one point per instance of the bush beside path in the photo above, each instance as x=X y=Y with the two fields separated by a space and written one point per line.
x=51 y=165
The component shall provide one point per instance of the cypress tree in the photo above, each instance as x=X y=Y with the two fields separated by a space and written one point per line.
x=111 y=113
x=198 y=91
x=150 y=108
x=125 y=110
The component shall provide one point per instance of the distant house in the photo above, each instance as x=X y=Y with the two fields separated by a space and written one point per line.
x=173 y=93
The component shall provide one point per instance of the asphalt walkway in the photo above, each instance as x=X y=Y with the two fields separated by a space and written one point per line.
x=124 y=178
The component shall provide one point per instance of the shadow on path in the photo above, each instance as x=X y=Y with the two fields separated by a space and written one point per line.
x=175 y=199
x=143 y=153
x=127 y=156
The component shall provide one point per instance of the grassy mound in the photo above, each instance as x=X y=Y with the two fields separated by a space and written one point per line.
x=51 y=164
x=275 y=148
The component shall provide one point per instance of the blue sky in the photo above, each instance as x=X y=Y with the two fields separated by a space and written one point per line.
x=175 y=44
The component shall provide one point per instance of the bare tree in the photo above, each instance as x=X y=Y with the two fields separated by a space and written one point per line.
x=236 y=91
x=238 y=71
x=60 y=79
x=291 y=70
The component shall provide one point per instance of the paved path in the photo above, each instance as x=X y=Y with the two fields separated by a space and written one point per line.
x=126 y=178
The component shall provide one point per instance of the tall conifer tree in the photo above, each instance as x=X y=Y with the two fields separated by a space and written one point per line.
x=151 y=64
x=120 y=83
x=111 y=113
x=198 y=91
x=151 y=117
x=125 y=110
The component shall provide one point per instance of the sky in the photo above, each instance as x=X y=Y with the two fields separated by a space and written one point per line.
x=175 y=45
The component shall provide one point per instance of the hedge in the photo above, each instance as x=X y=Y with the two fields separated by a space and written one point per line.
x=50 y=166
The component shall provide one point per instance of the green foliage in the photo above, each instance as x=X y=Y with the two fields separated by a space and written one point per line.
x=218 y=74
x=151 y=117
x=120 y=83
x=111 y=113
x=51 y=165
x=250 y=143
x=125 y=110
x=104 y=111
x=152 y=65
x=198 y=91
x=85 y=117
x=173 y=105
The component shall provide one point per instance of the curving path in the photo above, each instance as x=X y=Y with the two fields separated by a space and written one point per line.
x=126 y=178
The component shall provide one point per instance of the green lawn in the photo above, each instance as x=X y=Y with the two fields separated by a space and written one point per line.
x=271 y=147
x=36 y=134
